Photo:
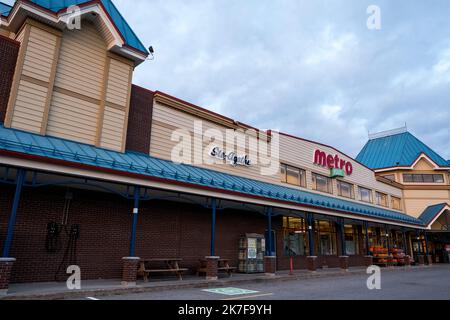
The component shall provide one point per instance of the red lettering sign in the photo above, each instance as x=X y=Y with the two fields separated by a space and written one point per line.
x=332 y=162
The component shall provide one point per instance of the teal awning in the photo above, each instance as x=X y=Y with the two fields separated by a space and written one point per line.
x=29 y=144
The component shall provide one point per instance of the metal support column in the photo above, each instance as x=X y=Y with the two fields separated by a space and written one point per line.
x=213 y=226
x=405 y=247
x=311 y=233
x=137 y=195
x=20 y=179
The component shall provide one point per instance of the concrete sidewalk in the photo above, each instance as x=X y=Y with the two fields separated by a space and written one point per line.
x=58 y=291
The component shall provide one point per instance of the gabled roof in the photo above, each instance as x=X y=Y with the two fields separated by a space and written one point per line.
x=398 y=150
x=127 y=33
x=4 y=9
x=432 y=213
x=43 y=148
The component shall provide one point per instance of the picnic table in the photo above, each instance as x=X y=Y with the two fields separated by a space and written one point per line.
x=223 y=266
x=165 y=265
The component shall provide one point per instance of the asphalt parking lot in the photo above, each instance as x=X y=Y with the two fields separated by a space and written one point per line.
x=429 y=283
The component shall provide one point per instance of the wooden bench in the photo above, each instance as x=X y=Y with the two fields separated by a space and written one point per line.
x=172 y=265
x=223 y=266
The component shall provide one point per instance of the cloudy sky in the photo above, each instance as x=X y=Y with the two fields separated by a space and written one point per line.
x=308 y=68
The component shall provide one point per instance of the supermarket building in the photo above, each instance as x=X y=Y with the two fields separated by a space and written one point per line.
x=87 y=177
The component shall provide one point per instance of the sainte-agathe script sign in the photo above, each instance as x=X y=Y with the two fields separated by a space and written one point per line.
x=232 y=157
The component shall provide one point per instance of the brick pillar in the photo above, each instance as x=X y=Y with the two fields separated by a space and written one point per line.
x=430 y=260
x=6 y=265
x=270 y=264
x=129 y=271
x=343 y=262
x=212 y=265
x=421 y=259
x=368 y=261
x=311 y=263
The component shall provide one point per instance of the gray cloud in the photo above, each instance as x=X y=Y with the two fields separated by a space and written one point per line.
x=308 y=68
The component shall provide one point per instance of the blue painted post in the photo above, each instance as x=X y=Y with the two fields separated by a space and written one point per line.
x=20 y=179
x=311 y=233
x=213 y=227
x=137 y=195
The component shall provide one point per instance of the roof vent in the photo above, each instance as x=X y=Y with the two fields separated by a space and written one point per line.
x=388 y=133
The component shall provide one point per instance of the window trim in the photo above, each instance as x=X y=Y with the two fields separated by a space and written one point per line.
x=422 y=175
x=376 y=199
x=314 y=185
x=352 y=192
x=399 y=201
x=371 y=194
x=303 y=183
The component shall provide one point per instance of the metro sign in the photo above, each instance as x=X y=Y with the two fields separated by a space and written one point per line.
x=337 y=165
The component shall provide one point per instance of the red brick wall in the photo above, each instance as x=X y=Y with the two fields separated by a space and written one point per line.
x=140 y=120
x=9 y=50
x=165 y=229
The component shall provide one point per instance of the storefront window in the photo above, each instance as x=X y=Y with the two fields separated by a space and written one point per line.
x=396 y=203
x=374 y=238
x=397 y=240
x=345 y=189
x=365 y=194
x=351 y=239
x=292 y=175
x=295 y=237
x=322 y=183
x=326 y=238
x=382 y=199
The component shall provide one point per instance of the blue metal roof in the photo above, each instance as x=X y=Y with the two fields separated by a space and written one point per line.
x=4 y=9
x=138 y=163
x=430 y=213
x=396 y=151
x=130 y=37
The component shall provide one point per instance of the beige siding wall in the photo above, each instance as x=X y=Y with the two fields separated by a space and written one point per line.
x=166 y=120
x=301 y=153
x=91 y=101
x=112 y=130
x=74 y=110
x=40 y=54
x=292 y=151
x=117 y=96
x=82 y=61
x=118 y=83
x=28 y=108
x=72 y=118
x=416 y=201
